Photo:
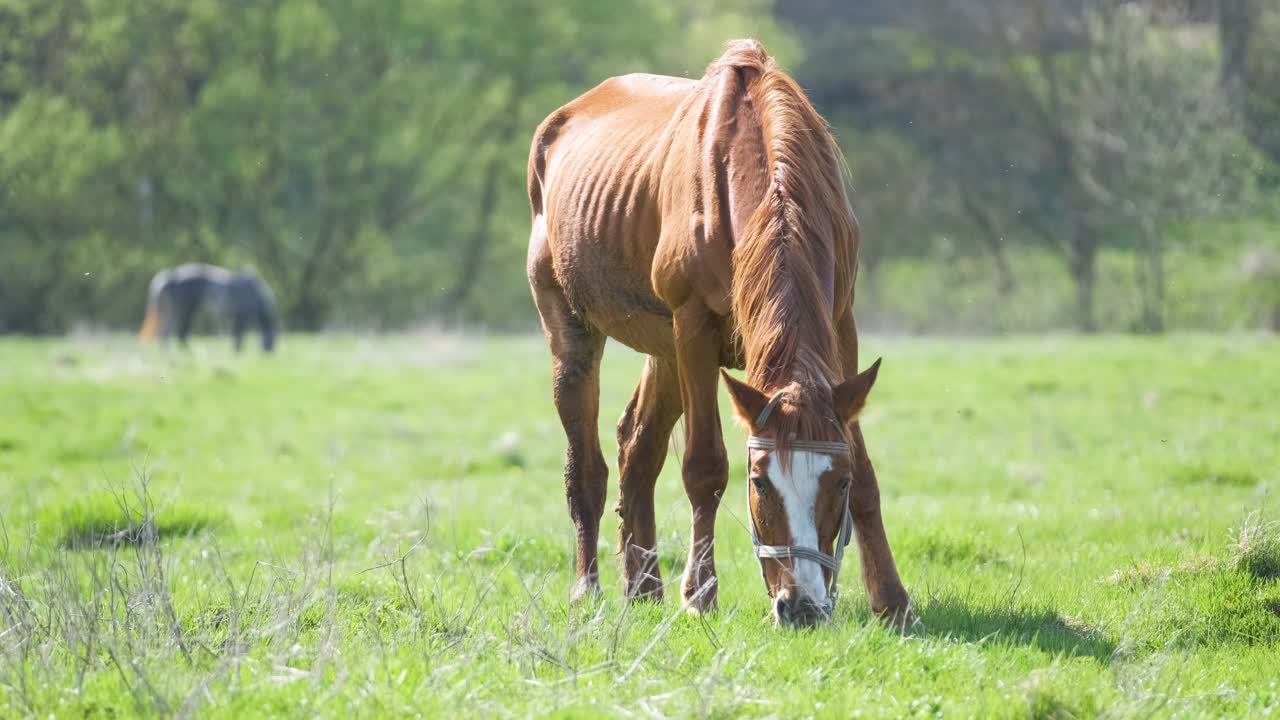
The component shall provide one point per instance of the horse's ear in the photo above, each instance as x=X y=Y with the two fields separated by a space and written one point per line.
x=747 y=401
x=851 y=395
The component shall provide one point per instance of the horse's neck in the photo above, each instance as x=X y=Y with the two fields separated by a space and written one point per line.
x=806 y=367
x=803 y=333
x=802 y=350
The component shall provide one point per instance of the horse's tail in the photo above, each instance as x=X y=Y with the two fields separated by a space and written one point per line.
x=151 y=322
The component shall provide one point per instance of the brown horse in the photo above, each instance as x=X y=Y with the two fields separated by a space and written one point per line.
x=705 y=224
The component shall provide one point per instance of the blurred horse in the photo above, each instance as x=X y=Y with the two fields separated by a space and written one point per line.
x=705 y=224
x=241 y=299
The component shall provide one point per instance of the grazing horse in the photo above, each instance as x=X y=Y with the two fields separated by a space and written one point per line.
x=239 y=297
x=705 y=224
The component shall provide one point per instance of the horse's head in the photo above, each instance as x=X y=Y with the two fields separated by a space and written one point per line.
x=800 y=467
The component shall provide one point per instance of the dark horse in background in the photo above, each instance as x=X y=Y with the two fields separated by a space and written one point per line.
x=241 y=299
x=705 y=224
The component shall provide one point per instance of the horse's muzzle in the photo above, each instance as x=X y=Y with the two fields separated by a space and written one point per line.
x=797 y=611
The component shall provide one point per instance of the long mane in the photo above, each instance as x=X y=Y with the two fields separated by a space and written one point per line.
x=794 y=264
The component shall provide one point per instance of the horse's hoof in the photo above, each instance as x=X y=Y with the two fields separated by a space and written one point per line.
x=702 y=599
x=644 y=592
x=700 y=606
x=585 y=588
x=899 y=618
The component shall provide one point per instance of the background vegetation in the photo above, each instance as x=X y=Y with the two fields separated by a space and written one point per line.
x=374 y=526
x=1016 y=165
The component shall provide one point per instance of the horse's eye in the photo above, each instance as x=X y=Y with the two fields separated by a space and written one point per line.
x=844 y=484
x=761 y=485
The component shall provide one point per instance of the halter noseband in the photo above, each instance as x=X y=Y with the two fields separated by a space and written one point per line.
x=780 y=552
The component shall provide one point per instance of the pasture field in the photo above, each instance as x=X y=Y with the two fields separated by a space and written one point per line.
x=376 y=527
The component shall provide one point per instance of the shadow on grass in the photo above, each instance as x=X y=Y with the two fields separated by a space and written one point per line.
x=88 y=525
x=112 y=534
x=1043 y=629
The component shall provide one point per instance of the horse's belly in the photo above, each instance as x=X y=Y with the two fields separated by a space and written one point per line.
x=652 y=334
x=618 y=301
x=604 y=263
x=642 y=332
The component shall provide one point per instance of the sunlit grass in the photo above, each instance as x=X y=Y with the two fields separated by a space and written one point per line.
x=376 y=527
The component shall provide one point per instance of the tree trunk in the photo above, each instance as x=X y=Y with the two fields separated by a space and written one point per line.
x=308 y=313
x=1084 y=271
x=867 y=287
x=1151 y=277
x=1237 y=20
x=473 y=254
x=990 y=228
x=38 y=312
x=313 y=300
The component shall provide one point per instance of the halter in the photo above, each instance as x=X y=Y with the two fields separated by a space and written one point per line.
x=779 y=552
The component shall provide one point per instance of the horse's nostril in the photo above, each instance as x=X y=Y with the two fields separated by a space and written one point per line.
x=798 y=613
x=808 y=615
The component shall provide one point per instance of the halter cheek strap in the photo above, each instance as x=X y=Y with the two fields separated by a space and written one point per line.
x=800 y=552
x=769 y=407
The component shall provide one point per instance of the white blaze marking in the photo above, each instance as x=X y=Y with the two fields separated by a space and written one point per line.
x=798 y=485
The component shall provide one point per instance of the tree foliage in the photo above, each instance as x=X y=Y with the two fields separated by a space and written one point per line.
x=368 y=156
x=1080 y=127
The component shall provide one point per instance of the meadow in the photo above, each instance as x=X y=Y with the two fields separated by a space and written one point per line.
x=376 y=527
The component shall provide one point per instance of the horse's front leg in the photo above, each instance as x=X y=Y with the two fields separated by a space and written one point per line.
x=706 y=467
x=239 y=323
x=889 y=599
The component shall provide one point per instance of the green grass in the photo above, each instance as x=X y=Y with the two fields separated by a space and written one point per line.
x=376 y=527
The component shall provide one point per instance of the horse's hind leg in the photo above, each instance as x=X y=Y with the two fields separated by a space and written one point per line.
x=576 y=348
x=643 y=433
x=576 y=351
x=186 y=314
x=165 y=317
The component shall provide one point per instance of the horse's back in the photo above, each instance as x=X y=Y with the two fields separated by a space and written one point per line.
x=593 y=190
x=200 y=271
x=631 y=96
x=226 y=291
x=619 y=124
